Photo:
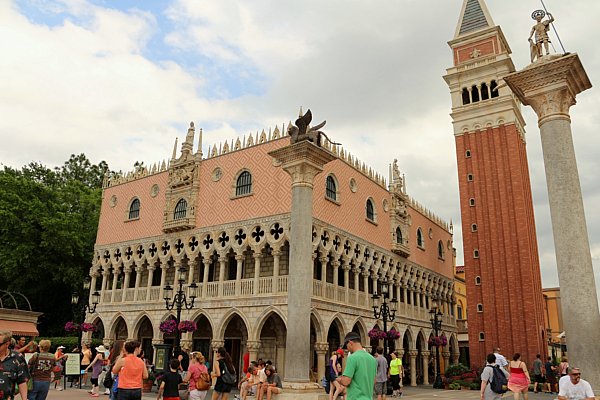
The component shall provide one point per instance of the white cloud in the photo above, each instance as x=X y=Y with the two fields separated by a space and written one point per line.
x=373 y=70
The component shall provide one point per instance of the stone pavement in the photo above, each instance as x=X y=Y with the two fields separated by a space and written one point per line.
x=418 y=393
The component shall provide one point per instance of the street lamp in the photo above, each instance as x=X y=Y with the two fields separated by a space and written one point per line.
x=180 y=301
x=436 y=325
x=386 y=310
x=86 y=307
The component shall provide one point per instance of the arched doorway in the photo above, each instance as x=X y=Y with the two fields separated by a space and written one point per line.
x=120 y=330
x=406 y=357
x=236 y=332
x=202 y=337
x=272 y=342
x=334 y=336
x=145 y=335
x=98 y=334
x=421 y=369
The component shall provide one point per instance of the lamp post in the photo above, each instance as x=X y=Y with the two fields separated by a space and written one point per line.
x=386 y=310
x=436 y=325
x=180 y=301
x=86 y=307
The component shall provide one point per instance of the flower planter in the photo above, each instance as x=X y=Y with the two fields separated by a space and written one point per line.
x=147 y=386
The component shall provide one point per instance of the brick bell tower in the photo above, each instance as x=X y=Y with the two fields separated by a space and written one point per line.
x=502 y=273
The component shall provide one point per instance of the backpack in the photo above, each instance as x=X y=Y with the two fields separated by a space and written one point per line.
x=499 y=382
x=203 y=382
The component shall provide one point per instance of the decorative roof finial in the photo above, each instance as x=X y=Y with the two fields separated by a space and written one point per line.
x=175 y=150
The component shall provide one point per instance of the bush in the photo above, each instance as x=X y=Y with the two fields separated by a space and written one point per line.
x=70 y=342
x=456 y=370
x=454 y=386
x=475 y=386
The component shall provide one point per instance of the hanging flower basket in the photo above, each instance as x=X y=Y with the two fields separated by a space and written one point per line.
x=187 y=326
x=87 y=327
x=438 y=341
x=378 y=334
x=71 y=327
x=393 y=334
x=169 y=326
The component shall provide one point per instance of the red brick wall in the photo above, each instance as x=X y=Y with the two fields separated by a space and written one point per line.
x=508 y=263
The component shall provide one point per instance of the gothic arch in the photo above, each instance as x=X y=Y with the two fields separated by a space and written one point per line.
x=137 y=323
x=202 y=312
x=219 y=334
x=115 y=324
x=362 y=328
x=409 y=335
x=318 y=325
x=340 y=323
x=263 y=318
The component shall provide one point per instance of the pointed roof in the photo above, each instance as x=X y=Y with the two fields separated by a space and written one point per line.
x=474 y=16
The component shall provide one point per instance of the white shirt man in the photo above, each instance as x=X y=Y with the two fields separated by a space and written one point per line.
x=572 y=387
x=500 y=359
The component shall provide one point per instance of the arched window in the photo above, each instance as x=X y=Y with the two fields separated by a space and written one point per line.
x=472 y=202
x=440 y=249
x=473 y=227
x=479 y=307
x=475 y=93
x=420 y=241
x=331 y=188
x=459 y=312
x=180 y=209
x=481 y=336
x=494 y=89
x=468 y=153
x=477 y=280
x=484 y=91
x=466 y=98
x=243 y=184
x=134 y=209
x=370 y=210
x=398 y=235
x=475 y=253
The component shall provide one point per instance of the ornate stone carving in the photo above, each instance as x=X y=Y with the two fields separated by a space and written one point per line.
x=555 y=103
x=540 y=29
x=322 y=348
x=303 y=130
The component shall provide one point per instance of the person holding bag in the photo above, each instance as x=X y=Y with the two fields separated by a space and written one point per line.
x=223 y=370
x=198 y=377
x=40 y=368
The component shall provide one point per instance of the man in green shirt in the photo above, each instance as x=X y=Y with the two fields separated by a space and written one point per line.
x=361 y=368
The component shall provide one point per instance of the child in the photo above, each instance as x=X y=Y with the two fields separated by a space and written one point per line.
x=170 y=382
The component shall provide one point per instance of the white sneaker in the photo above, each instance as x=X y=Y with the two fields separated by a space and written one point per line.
x=59 y=388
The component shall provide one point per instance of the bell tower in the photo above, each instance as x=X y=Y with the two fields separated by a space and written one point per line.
x=504 y=292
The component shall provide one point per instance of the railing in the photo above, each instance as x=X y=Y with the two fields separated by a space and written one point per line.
x=265 y=285
x=107 y=296
x=229 y=288
x=118 y=296
x=212 y=289
x=352 y=297
x=154 y=293
x=141 y=294
x=340 y=294
x=317 y=286
x=282 y=284
x=461 y=326
x=329 y=291
x=129 y=294
x=247 y=288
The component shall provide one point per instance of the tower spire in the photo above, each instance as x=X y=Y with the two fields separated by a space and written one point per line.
x=474 y=16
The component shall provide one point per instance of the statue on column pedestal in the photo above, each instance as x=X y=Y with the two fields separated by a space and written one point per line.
x=540 y=29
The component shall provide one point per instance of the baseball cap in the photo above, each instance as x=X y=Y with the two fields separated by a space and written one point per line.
x=60 y=347
x=352 y=336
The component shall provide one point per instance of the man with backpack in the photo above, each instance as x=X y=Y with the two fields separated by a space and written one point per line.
x=493 y=380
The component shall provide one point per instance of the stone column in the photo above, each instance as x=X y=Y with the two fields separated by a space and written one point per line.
x=346 y=268
x=105 y=275
x=127 y=271
x=215 y=344
x=550 y=89
x=336 y=271
x=257 y=256
x=114 y=283
x=276 y=254
x=322 y=351
x=222 y=265
x=139 y=270
x=253 y=348
x=425 y=355
x=455 y=357
x=192 y=271
x=303 y=160
x=324 y=260
x=164 y=267
x=446 y=356
x=94 y=276
x=207 y=263
x=151 y=268
x=356 y=271
x=239 y=259
x=412 y=354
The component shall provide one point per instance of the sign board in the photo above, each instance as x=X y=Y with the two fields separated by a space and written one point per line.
x=72 y=364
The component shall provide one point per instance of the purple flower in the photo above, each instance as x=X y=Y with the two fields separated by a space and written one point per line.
x=169 y=326
x=187 y=326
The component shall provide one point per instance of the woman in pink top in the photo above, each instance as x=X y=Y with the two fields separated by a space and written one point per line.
x=132 y=371
x=519 y=380
x=563 y=367
x=195 y=370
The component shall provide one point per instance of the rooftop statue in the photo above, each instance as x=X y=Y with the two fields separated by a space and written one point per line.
x=540 y=29
x=303 y=130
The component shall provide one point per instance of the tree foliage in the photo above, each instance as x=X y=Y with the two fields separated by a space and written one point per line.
x=48 y=223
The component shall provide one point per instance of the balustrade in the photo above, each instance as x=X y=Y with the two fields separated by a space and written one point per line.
x=247 y=287
x=154 y=293
x=129 y=294
x=228 y=288
x=212 y=289
x=265 y=285
x=282 y=284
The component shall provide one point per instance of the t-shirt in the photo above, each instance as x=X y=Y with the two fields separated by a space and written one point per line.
x=537 y=367
x=381 y=369
x=130 y=375
x=549 y=371
x=246 y=362
x=41 y=366
x=13 y=370
x=185 y=360
x=274 y=378
x=395 y=365
x=501 y=360
x=195 y=370
x=582 y=390
x=172 y=381
x=487 y=375
x=262 y=377
x=361 y=367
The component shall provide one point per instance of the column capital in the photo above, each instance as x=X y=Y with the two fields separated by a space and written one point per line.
x=215 y=344
x=257 y=255
x=139 y=269
x=207 y=261
x=222 y=258
x=253 y=345
x=335 y=263
x=549 y=86
x=413 y=353
x=303 y=161
x=276 y=253
x=425 y=353
x=240 y=257
x=324 y=259
x=446 y=354
x=322 y=347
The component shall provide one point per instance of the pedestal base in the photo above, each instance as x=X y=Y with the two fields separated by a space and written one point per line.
x=302 y=390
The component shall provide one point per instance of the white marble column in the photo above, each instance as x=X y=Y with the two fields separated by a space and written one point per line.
x=346 y=269
x=207 y=263
x=114 y=283
x=412 y=354
x=222 y=265
x=164 y=267
x=257 y=256
x=323 y=260
x=239 y=259
x=550 y=89
x=151 y=268
x=356 y=271
x=253 y=347
x=322 y=350
x=276 y=254
x=303 y=161
x=425 y=355
x=127 y=271
x=192 y=270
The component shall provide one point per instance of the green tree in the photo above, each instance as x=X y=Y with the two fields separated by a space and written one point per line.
x=48 y=224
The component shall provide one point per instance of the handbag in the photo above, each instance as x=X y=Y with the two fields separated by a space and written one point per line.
x=227 y=377
x=203 y=382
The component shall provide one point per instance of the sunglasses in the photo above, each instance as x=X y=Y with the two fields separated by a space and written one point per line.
x=577 y=374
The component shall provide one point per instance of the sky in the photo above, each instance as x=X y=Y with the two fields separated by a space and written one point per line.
x=120 y=80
